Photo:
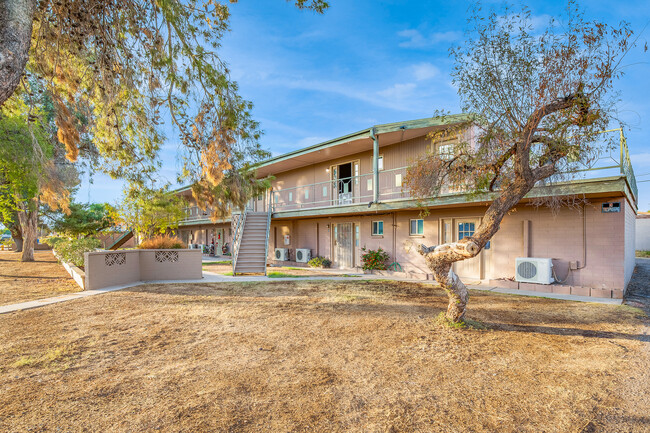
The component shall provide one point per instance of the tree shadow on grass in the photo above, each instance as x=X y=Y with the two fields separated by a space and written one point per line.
x=564 y=331
x=33 y=277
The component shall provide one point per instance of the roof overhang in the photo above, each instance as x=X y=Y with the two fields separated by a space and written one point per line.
x=387 y=134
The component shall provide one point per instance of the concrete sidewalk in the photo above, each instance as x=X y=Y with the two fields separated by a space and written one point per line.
x=211 y=278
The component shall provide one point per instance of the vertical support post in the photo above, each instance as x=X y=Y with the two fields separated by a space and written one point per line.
x=622 y=141
x=375 y=166
x=526 y=239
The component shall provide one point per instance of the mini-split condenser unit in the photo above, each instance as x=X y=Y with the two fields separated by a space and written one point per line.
x=303 y=255
x=282 y=254
x=533 y=270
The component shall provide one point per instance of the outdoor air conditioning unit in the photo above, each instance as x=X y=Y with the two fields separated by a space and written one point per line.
x=282 y=254
x=534 y=270
x=303 y=255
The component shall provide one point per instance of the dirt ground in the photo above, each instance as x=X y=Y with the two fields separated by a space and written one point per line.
x=321 y=356
x=43 y=278
x=294 y=271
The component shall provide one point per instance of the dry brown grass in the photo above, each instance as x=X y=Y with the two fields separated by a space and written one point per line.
x=361 y=356
x=43 y=278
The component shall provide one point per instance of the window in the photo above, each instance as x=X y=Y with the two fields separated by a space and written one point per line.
x=377 y=228
x=380 y=162
x=306 y=194
x=398 y=179
x=446 y=151
x=356 y=235
x=324 y=191
x=290 y=196
x=417 y=227
x=369 y=184
x=465 y=230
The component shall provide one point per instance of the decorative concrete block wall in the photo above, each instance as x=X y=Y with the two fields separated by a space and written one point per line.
x=112 y=268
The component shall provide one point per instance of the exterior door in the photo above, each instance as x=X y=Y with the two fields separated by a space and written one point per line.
x=470 y=268
x=343 y=245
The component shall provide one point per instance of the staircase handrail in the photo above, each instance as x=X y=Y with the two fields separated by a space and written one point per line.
x=268 y=228
x=239 y=232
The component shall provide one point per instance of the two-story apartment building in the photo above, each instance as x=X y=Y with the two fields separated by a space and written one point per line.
x=342 y=195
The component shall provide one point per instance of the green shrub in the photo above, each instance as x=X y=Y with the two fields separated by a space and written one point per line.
x=162 y=242
x=72 y=250
x=53 y=241
x=374 y=259
x=319 y=262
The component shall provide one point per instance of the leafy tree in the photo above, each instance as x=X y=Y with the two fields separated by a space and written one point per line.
x=28 y=174
x=150 y=211
x=538 y=100
x=142 y=60
x=83 y=219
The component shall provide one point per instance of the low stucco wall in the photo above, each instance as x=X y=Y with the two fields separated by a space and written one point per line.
x=112 y=268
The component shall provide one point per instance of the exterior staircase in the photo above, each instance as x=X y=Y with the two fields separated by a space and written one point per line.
x=251 y=243
x=121 y=240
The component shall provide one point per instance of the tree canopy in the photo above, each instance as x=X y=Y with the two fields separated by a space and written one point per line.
x=150 y=211
x=83 y=219
x=117 y=68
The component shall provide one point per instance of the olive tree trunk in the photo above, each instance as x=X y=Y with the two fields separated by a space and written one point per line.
x=28 y=218
x=16 y=17
x=440 y=258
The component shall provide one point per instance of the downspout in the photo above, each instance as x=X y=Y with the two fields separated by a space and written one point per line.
x=375 y=167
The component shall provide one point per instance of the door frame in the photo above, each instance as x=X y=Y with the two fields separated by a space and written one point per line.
x=476 y=219
x=355 y=185
x=334 y=244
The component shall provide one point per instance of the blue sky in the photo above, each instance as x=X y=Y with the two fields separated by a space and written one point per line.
x=315 y=77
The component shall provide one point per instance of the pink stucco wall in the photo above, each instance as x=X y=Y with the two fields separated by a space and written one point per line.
x=552 y=235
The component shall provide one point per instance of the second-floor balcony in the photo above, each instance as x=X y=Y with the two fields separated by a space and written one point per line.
x=359 y=190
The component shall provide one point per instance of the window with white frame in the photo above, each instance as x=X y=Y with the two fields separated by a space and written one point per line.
x=325 y=191
x=377 y=228
x=398 y=180
x=306 y=194
x=446 y=151
x=290 y=196
x=369 y=184
x=380 y=162
x=417 y=227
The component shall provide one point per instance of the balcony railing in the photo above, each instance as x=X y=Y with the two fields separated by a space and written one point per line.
x=194 y=213
x=613 y=160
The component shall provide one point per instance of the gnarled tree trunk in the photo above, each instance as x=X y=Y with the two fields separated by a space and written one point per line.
x=441 y=258
x=16 y=17
x=28 y=218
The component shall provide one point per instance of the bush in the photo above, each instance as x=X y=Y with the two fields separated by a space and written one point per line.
x=53 y=241
x=162 y=242
x=72 y=250
x=374 y=259
x=319 y=262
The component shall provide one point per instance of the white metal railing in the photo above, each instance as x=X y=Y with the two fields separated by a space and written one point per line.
x=269 y=200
